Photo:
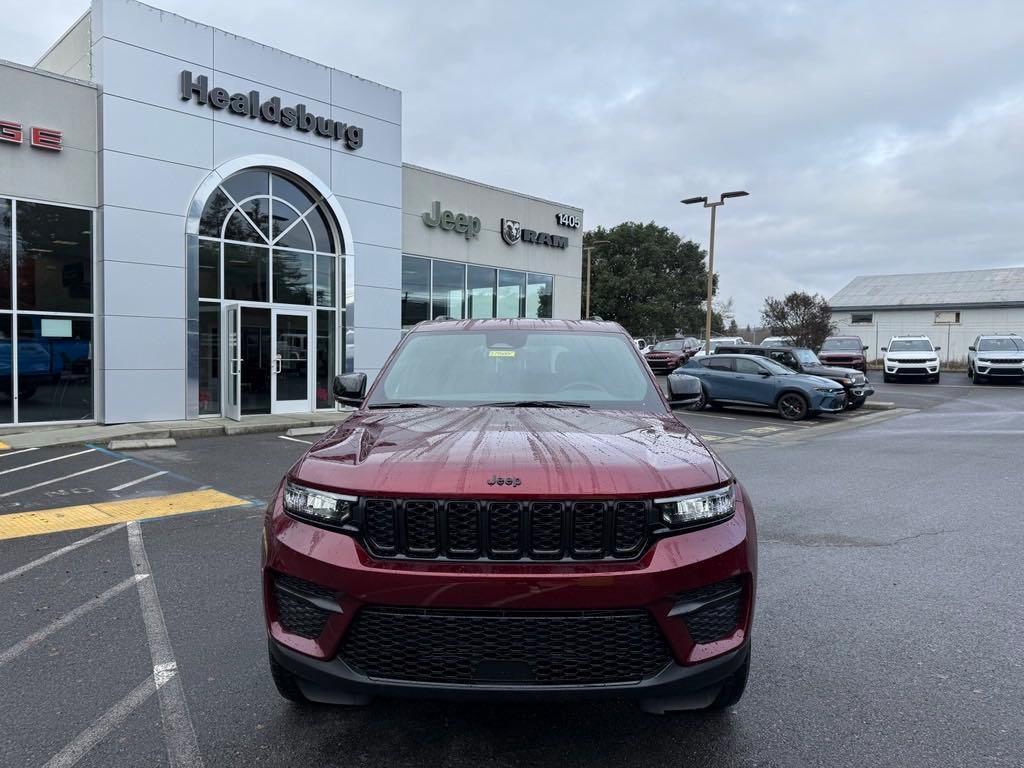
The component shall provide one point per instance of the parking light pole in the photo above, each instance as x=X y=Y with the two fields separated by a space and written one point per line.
x=590 y=249
x=711 y=253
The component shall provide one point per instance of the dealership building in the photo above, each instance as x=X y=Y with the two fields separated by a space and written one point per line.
x=950 y=308
x=193 y=224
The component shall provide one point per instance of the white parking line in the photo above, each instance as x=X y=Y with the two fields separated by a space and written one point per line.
x=57 y=553
x=295 y=439
x=130 y=483
x=81 y=745
x=46 y=461
x=179 y=735
x=65 y=477
x=37 y=637
x=4 y=454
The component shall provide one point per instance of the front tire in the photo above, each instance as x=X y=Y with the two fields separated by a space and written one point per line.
x=701 y=404
x=934 y=379
x=732 y=690
x=856 y=403
x=286 y=682
x=887 y=378
x=792 y=407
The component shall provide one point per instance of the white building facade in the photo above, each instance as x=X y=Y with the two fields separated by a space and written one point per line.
x=951 y=308
x=194 y=224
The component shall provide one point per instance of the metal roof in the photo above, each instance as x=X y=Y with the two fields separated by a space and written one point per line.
x=979 y=287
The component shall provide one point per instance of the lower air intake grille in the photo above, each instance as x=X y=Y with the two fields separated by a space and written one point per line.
x=719 y=619
x=495 y=647
x=296 y=614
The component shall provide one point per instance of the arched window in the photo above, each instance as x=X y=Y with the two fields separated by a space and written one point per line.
x=267 y=238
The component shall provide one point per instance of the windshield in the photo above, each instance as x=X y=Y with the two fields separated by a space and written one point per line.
x=846 y=345
x=506 y=367
x=1001 y=345
x=777 y=368
x=910 y=345
x=671 y=344
x=806 y=356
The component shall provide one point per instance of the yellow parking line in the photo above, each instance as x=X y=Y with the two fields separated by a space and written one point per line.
x=105 y=513
x=3 y=446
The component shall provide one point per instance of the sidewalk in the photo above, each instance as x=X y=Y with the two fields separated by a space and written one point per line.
x=45 y=436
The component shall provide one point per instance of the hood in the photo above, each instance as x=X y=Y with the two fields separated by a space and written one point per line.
x=445 y=452
x=929 y=355
x=831 y=371
x=852 y=354
x=1001 y=355
x=817 y=381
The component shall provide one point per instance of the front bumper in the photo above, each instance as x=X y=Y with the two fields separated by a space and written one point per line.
x=994 y=369
x=829 y=403
x=654 y=583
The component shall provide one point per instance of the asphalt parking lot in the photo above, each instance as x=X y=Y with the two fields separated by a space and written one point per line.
x=888 y=627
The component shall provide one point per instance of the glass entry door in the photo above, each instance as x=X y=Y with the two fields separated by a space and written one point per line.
x=233 y=357
x=291 y=377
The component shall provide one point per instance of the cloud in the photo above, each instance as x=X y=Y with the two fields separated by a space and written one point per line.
x=874 y=137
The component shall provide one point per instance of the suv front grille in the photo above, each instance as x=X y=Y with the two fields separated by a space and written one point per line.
x=505 y=647
x=504 y=530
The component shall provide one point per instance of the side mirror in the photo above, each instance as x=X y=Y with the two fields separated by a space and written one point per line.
x=937 y=349
x=350 y=389
x=884 y=349
x=864 y=348
x=764 y=373
x=972 y=348
x=683 y=390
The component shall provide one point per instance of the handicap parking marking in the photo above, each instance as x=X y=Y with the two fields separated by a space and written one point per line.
x=763 y=430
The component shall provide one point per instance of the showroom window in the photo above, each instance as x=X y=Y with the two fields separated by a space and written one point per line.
x=861 y=318
x=265 y=240
x=46 y=320
x=432 y=288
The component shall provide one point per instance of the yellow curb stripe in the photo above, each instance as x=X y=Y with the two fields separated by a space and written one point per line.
x=3 y=446
x=105 y=513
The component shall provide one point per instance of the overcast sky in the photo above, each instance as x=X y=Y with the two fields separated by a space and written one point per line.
x=873 y=137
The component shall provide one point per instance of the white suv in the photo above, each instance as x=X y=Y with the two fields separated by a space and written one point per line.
x=996 y=356
x=910 y=356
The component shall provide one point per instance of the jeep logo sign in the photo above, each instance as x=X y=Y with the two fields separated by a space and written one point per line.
x=463 y=223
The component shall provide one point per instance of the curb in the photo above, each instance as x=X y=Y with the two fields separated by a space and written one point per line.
x=878 y=406
x=128 y=445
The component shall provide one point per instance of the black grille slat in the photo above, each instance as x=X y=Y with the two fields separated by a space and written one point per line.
x=295 y=614
x=588 y=528
x=421 y=528
x=533 y=648
x=630 y=527
x=546 y=518
x=462 y=524
x=719 y=619
x=470 y=529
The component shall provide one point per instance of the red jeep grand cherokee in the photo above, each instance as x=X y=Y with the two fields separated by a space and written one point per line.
x=513 y=511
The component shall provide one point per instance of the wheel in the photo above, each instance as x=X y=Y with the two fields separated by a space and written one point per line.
x=285 y=682
x=733 y=689
x=792 y=407
x=979 y=379
x=699 y=405
x=934 y=379
x=887 y=378
x=856 y=403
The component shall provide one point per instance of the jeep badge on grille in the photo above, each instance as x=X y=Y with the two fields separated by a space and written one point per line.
x=513 y=481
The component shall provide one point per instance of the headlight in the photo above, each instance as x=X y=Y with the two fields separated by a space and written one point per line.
x=827 y=390
x=698 y=508
x=318 y=506
x=844 y=382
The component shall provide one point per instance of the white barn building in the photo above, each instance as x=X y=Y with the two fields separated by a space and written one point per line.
x=951 y=308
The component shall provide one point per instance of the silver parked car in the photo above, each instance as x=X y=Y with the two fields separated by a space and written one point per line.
x=996 y=357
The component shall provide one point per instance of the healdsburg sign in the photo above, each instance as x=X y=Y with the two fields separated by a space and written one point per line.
x=270 y=111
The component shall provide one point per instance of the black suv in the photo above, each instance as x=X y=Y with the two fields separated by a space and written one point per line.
x=803 y=360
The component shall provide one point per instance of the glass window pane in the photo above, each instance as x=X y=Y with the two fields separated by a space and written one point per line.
x=480 y=282
x=54 y=368
x=292 y=193
x=240 y=228
x=214 y=213
x=5 y=254
x=325 y=368
x=325 y=280
x=54 y=258
x=449 y=287
x=511 y=293
x=293 y=277
x=258 y=210
x=248 y=183
x=283 y=217
x=245 y=272
x=6 y=371
x=317 y=221
x=297 y=237
x=209 y=359
x=415 y=290
x=209 y=269
x=538 y=295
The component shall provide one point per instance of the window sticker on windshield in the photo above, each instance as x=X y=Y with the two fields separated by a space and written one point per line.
x=502 y=353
